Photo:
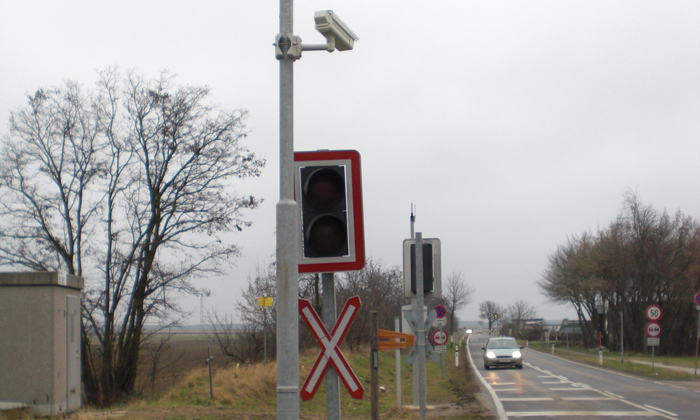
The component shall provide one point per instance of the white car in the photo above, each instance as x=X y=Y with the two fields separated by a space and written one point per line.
x=502 y=351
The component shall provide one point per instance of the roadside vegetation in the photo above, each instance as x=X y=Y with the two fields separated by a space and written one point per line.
x=249 y=391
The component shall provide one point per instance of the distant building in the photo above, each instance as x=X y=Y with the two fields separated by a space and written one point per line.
x=534 y=322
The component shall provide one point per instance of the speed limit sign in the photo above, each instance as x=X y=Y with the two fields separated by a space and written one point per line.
x=653 y=313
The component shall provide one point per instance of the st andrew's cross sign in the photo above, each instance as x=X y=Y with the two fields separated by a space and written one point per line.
x=330 y=352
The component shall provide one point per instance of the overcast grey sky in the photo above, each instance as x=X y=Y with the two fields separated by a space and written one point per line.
x=510 y=124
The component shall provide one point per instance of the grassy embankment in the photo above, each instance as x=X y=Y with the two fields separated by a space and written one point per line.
x=611 y=360
x=251 y=389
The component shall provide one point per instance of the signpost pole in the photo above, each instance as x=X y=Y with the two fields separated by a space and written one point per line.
x=329 y=318
x=697 y=343
x=697 y=335
x=374 y=366
x=442 y=355
x=622 y=337
x=420 y=336
x=414 y=309
x=397 y=355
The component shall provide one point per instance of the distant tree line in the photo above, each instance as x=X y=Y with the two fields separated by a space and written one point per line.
x=380 y=289
x=512 y=319
x=643 y=257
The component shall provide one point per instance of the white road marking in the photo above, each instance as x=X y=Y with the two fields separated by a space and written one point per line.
x=529 y=399
x=660 y=410
x=588 y=398
x=555 y=382
x=648 y=413
x=568 y=389
x=506 y=389
x=502 y=383
x=619 y=397
x=580 y=413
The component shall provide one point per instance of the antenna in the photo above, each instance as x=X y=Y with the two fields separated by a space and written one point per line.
x=413 y=220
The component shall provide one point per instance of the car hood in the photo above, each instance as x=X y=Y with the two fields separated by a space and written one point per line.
x=503 y=352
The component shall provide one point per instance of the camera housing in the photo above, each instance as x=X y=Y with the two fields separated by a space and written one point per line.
x=335 y=30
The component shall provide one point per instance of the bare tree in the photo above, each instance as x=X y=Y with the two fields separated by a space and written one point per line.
x=129 y=186
x=643 y=257
x=380 y=289
x=488 y=309
x=519 y=312
x=234 y=340
x=457 y=294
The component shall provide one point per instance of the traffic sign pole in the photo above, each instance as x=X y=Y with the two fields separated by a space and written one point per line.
x=653 y=329
x=329 y=319
x=697 y=335
x=420 y=336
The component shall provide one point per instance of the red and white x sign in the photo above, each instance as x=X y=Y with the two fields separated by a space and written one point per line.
x=329 y=348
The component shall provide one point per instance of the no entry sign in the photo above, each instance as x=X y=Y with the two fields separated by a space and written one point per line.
x=330 y=352
x=439 y=337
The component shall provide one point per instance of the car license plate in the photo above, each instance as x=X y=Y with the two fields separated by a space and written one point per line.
x=503 y=360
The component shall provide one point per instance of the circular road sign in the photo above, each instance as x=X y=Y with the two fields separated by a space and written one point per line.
x=439 y=338
x=653 y=329
x=653 y=312
x=697 y=299
x=441 y=311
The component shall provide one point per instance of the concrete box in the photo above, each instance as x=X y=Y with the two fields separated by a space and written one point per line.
x=40 y=341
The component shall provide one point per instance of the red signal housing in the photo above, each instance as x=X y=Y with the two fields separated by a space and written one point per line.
x=328 y=189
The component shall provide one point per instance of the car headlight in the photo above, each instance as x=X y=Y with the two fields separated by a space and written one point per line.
x=517 y=354
x=490 y=355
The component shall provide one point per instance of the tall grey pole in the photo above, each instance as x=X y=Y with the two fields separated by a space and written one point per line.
x=414 y=309
x=329 y=318
x=622 y=336
x=697 y=343
x=397 y=355
x=287 y=240
x=420 y=331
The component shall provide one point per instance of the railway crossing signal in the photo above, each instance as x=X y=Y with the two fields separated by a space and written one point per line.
x=328 y=187
x=330 y=350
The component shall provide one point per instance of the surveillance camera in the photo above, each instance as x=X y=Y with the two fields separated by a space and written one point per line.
x=335 y=30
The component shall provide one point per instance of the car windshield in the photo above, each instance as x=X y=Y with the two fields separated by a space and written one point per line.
x=505 y=343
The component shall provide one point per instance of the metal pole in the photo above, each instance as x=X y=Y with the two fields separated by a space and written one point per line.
x=568 y=353
x=397 y=355
x=265 y=332
x=287 y=241
x=414 y=309
x=211 y=385
x=442 y=356
x=622 y=337
x=329 y=315
x=420 y=321
x=697 y=343
x=374 y=366
x=652 y=357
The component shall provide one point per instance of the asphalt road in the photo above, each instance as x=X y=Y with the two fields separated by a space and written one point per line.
x=552 y=387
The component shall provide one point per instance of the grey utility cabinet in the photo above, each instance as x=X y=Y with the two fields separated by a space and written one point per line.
x=40 y=341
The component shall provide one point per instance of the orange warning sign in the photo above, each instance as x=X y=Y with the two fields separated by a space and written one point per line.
x=389 y=340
